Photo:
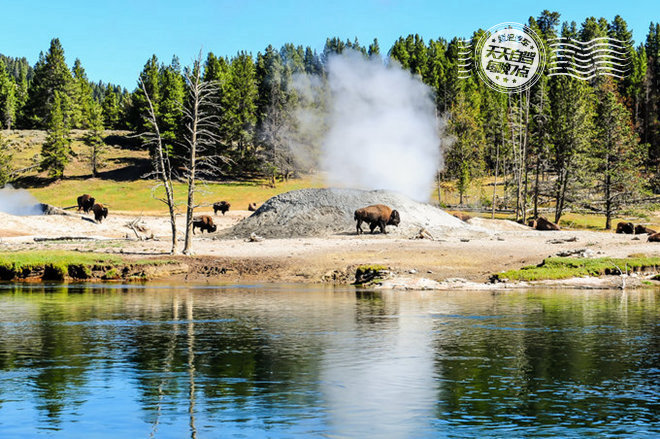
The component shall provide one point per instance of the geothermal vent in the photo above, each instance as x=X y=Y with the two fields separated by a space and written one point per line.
x=322 y=212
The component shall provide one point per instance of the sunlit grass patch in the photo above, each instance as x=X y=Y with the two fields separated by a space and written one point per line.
x=564 y=268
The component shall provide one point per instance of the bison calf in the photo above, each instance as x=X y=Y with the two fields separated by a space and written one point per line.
x=204 y=223
x=100 y=212
x=85 y=203
x=221 y=206
x=627 y=228
x=377 y=215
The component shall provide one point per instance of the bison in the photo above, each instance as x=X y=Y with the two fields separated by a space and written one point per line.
x=462 y=216
x=221 y=206
x=544 y=224
x=627 y=228
x=654 y=237
x=100 y=212
x=252 y=207
x=641 y=230
x=204 y=223
x=377 y=215
x=85 y=203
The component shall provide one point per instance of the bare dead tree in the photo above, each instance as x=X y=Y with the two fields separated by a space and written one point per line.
x=199 y=140
x=163 y=169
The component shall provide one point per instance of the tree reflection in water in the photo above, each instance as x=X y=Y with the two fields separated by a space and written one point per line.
x=174 y=362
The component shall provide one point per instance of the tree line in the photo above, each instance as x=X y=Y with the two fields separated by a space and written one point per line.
x=593 y=144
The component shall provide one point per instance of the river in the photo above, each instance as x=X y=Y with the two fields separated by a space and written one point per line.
x=130 y=361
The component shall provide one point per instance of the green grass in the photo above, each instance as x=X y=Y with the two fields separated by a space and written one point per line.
x=42 y=257
x=564 y=268
x=136 y=196
x=58 y=264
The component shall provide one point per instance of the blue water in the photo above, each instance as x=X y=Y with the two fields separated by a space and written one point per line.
x=303 y=361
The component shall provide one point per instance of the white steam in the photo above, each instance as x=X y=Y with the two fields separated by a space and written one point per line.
x=380 y=127
x=18 y=202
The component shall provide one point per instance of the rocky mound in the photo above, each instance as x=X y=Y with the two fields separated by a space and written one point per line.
x=322 y=212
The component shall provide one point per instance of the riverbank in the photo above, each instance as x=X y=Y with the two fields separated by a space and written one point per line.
x=497 y=246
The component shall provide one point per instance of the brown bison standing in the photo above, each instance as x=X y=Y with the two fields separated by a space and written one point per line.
x=85 y=203
x=100 y=212
x=204 y=223
x=377 y=215
x=221 y=206
x=627 y=228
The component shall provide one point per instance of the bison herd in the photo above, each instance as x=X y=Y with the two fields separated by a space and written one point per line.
x=639 y=229
x=86 y=203
x=377 y=216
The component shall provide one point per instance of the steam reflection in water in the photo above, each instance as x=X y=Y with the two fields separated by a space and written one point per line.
x=278 y=361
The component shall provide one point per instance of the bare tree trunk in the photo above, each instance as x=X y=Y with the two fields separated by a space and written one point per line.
x=497 y=165
x=163 y=165
x=608 y=195
x=561 y=194
x=192 y=165
x=536 y=186
x=524 y=157
x=199 y=141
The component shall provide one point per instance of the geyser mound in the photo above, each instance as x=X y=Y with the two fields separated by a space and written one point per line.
x=323 y=212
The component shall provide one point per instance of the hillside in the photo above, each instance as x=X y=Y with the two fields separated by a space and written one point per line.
x=120 y=183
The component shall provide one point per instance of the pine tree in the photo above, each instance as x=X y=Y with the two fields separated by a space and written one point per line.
x=94 y=137
x=21 y=93
x=81 y=112
x=51 y=76
x=170 y=107
x=55 y=152
x=572 y=129
x=240 y=107
x=464 y=158
x=333 y=46
x=374 y=48
x=313 y=65
x=274 y=106
x=5 y=162
x=616 y=153
x=111 y=109
x=8 y=101
x=150 y=78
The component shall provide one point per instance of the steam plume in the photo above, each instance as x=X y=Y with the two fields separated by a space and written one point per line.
x=381 y=131
x=18 y=202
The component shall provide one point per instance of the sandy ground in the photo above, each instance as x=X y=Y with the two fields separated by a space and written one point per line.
x=505 y=245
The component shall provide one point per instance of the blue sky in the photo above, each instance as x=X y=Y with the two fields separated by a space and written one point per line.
x=114 y=38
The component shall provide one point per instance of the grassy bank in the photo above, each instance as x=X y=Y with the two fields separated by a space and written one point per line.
x=565 y=268
x=68 y=265
x=136 y=196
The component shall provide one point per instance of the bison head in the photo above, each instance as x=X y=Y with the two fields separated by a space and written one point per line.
x=212 y=228
x=395 y=219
